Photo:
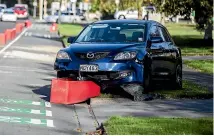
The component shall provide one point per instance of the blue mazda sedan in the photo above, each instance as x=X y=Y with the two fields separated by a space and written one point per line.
x=126 y=53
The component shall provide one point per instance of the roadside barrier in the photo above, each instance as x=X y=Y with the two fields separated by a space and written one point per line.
x=2 y=39
x=53 y=27
x=19 y=27
x=13 y=33
x=28 y=23
x=8 y=34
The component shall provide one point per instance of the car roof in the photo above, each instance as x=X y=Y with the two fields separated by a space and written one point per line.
x=149 y=22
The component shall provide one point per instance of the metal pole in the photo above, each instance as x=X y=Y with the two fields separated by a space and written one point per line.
x=60 y=5
x=41 y=9
x=34 y=12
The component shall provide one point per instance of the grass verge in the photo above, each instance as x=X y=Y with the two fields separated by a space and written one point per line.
x=158 y=126
x=205 y=66
x=190 y=40
x=190 y=91
x=67 y=30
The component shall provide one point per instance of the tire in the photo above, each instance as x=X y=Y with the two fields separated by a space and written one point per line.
x=62 y=74
x=147 y=83
x=177 y=78
x=147 y=76
x=121 y=17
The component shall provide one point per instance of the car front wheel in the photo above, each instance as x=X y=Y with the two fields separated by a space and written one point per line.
x=62 y=74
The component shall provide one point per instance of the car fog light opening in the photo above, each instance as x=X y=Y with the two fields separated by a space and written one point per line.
x=124 y=74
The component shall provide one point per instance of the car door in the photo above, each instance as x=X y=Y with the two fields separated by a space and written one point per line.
x=157 y=52
x=170 y=52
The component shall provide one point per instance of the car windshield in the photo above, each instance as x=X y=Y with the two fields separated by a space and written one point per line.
x=8 y=12
x=19 y=8
x=113 y=33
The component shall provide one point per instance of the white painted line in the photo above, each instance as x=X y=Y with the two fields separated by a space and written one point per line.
x=48 y=113
x=35 y=111
x=35 y=121
x=47 y=104
x=50 y=123
x=12 y=42
x=36 y=103
x=29 y=33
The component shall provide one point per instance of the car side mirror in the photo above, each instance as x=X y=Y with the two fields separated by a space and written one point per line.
x=71 y=39
x=156 y=39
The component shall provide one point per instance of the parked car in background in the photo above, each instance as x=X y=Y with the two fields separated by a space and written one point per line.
x=9 y=15
x=66 y=17
x=2 y=8
x=21 y=10
x=126 y=53
x=132 y=13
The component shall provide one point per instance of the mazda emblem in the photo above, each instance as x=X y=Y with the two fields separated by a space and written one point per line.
x=90 y=55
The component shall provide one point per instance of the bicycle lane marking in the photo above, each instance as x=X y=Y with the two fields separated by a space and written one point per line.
x=26 y=111
x=19 y=120
x=25 y=102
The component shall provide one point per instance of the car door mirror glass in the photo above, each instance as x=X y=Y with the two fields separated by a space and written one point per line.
x=71 y=39
x=156 y=39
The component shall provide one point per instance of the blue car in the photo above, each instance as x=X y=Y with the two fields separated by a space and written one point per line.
x=126 y=53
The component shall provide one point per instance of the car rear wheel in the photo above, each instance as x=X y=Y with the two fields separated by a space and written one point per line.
x=121 y=17
x=177 y=78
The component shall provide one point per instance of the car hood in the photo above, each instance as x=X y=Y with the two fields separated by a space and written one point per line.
x=103 y=47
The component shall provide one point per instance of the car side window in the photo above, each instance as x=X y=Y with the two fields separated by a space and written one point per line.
x=154 y=32
x=164 y=34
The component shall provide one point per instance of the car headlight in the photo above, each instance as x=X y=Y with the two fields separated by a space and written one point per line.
x=125 y=55
x=62 y=55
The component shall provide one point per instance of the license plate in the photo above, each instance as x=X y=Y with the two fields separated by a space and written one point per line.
x=89 y=68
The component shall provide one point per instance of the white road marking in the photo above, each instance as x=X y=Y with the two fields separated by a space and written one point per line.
x=36 y=103
x=50 y=123
x=35 y=121
x=48 y=113
x=47 y=104
x=35 y=111
x=12 y=42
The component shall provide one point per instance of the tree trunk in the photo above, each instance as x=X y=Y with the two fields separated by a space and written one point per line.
x=208 y=32
x=163 y=14
x=139 y=8
x=19 y=1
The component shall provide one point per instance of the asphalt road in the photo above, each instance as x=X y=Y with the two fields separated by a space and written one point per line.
x=26 y=71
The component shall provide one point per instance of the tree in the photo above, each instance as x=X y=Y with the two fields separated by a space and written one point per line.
x=203 y=12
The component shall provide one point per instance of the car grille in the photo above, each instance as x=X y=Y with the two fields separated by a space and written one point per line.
x=97 y=55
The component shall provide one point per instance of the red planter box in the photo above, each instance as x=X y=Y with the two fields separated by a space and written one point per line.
x=67 y=91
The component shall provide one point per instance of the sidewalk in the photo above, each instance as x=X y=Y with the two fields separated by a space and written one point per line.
x=197 y=57
x=155 y=108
